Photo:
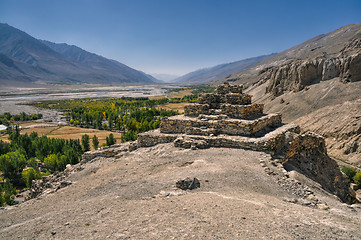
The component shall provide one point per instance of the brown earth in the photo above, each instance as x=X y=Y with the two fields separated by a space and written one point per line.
x=132 y=196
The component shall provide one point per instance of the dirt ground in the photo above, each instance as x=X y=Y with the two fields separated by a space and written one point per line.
x=133 y=197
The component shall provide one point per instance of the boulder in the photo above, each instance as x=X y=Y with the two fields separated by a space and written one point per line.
x=188 y=183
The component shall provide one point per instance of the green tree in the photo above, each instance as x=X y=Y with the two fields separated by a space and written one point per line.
x=29 y=175
x=11 y=165
x=51 y=162
x=4 y=147
x=110 y=140
x=85 y=142
x=7 y=193
x=357 y=178
x=349 y=171
x=95 y=142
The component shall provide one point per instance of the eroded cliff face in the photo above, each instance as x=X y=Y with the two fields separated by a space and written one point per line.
x=295 y=75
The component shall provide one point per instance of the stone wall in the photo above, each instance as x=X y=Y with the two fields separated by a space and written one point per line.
x=242 y=111
x=239 y=127
x=148 y=139
x=228 y=88
x=196 y=109
x=230 y=110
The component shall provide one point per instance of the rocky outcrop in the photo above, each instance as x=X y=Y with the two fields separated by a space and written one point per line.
x=51 y=183
x=188 y=183
x=307 y=154
x=297 y=74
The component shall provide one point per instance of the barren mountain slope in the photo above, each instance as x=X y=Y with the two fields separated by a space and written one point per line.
x=25 y=60
x=341 y=125
x=319 y=58
x=132 y=197
x=329 y=108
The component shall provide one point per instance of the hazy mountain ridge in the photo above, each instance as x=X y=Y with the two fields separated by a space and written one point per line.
x=34 y=61
x=206 y=75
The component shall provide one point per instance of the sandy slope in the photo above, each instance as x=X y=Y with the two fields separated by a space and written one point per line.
x=126 y=198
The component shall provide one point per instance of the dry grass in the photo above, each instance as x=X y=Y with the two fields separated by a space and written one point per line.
x=174 y=106
x=156 y=97
x=180 y=94
x=69 y=132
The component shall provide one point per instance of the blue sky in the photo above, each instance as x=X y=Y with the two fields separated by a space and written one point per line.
x=179 y=36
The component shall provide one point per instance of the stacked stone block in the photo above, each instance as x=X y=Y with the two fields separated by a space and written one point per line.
x=225 y=118
x=226 y=111
x=227 y=100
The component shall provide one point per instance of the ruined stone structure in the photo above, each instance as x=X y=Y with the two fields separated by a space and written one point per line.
x=226 y=118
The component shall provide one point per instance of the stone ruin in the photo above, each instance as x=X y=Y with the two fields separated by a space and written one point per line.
x=226 y=118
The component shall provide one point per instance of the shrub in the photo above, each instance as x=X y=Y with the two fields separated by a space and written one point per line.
x=51 y=161
x=12 y=165
x=7 y=193
x=29 y=175
x=357 y=178
x=95 y=142
x=110 y=140
x=349 y=171
x=62 y=162
x=85 y=142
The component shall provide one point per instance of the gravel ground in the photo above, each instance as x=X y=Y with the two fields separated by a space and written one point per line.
x=133 y=197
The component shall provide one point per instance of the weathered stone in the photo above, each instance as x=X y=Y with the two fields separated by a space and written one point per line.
x=296 y=75
x=188 y=183
x=228 y=88
x=242 y=111
x=179 y=124
x=148 y=140
x=237 y=98
x=213 y=100
x=65 y=183
x=307 y=153
x=196 y=109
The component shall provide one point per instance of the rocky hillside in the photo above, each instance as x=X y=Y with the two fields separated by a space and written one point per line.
x=206 y=75
x=336 y=54
x=320 y=73
x=26 y=60
x=341 y=126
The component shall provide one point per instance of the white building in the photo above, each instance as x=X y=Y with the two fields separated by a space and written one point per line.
x=3 y=128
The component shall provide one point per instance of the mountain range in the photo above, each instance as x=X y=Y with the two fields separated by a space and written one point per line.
x=25 y=60
x=206 y=75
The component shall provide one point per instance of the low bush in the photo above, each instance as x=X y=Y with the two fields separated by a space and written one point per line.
x=357 y=178
x=29 y=175
x=349 y=171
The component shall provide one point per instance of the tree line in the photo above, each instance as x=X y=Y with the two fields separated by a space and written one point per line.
x=127 y=115
x=7 y=119
x=29 y=157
